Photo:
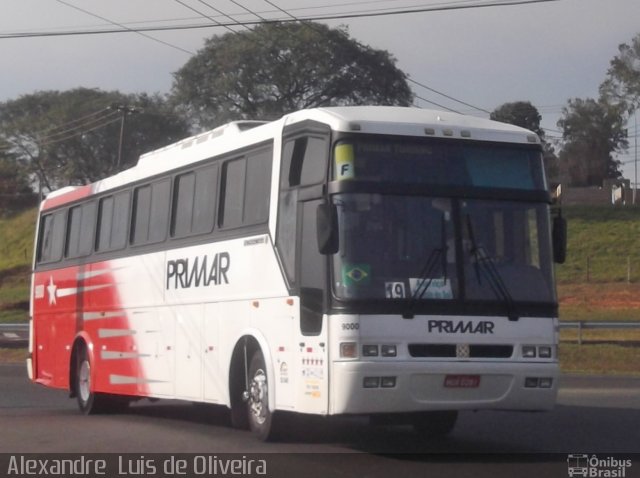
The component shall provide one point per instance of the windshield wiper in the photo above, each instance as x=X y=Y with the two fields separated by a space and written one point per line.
x=484 y=263
x=426 y=275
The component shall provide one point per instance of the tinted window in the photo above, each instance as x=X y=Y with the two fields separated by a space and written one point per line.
x=113 y=220
x=80 y=230
x=304 y=161
x=258 y=185
x=159 y=215
x=52 y=237
x=183 y=204
x=194 y=202
x=141 y=214
x=150 y=213
x=233 y=183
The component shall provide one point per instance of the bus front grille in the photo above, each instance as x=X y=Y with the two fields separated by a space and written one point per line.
x=460 y=351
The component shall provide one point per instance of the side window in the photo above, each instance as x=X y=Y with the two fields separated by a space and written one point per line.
x=232 y=193
x=51 y=237
x=204 y=201
x=80 y=229
x=113 y=221
x=150 y=213
x=304 y=161
x=245 y=190
x=194 y=201
x=141 y=214
x=184 y=187
x=258 y=187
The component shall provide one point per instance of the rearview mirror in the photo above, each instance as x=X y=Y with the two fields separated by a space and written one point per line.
x=559 y=237
x=327 y=227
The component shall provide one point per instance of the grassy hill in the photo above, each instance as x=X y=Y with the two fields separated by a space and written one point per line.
x=604 y=245
x=16 y=249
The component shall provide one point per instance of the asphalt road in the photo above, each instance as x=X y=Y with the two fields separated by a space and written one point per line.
x=595 y=415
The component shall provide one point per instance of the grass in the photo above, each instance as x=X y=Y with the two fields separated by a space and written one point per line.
x=16 y=249
x=603 y=245
x=13 y=355
x=16 y=239
x=605 y=359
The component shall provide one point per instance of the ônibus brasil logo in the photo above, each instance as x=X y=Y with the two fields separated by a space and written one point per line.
x=592 y=466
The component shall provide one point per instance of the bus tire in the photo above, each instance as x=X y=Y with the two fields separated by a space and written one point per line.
x=436 y=424
x=90 y=402
x=261 y=419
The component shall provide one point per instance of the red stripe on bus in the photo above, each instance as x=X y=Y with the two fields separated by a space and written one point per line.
x=78 y=193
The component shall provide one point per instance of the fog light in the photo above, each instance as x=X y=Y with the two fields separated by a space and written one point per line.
x=388 y=382
x=529 y=351
x=544 y=352
x=531 y=382
x=371 y=382
x=545 y=382
x=389 y=351
x=348 y=350
x=370 y=350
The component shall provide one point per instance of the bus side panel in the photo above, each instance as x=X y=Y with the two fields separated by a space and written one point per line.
x=55 y=309
x=106 y=322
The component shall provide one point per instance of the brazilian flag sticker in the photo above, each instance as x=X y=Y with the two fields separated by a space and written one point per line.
x=356 y=274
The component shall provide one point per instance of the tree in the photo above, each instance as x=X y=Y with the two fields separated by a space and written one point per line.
x=73 y=137
x=622 y=84
x=525 y=115
x=519 y=113
x=275 y=69
x=15 y=190
x=593 y=130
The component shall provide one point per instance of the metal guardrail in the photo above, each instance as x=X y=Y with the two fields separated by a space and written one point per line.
x=585 y=325
x=14 y=326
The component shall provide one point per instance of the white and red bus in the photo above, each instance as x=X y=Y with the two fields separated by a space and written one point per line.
x=393 y=262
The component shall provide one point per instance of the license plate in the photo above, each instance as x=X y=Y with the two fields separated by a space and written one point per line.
x=462 y=381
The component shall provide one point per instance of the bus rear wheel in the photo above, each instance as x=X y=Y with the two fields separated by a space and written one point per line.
x=261 y=419
x=90 y=402
x=436 y=424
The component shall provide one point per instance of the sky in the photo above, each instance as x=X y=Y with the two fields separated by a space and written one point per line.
x=545 y=52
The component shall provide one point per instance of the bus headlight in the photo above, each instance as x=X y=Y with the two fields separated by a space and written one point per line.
x=544 y=352
x=370 y=350
x=389 y=351
x=348 y=350
x=529 y=351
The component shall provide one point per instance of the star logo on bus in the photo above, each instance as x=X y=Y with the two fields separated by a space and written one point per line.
x=52 y=290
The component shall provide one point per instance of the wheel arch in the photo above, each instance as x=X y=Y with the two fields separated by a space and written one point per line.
x=238 y=368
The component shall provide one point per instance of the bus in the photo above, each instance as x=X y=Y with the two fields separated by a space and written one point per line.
x=383 y=261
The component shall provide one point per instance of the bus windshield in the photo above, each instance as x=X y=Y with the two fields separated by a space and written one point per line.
x=409 y=247
x=439 y=162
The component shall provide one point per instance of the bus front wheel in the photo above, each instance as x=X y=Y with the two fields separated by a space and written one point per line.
x=261 y=419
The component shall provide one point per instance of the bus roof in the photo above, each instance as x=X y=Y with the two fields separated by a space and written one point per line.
x=415 y=122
